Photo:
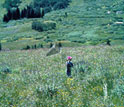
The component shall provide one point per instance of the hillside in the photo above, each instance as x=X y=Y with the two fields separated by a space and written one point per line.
x=35 y=80
x=84 y=22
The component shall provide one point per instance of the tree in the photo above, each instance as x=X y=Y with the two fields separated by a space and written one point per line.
x=28 y=47
x=59 y=45
x=22 y=14
x=9 y=14
x=41 y=46
x=42 y=13
x=108 y=42
x=51 y=45
x=5 y=18
x=28 y=11
x=25 y=12
x=18 y=13
x=14 y=14
x=32 y=13
x=35 y=46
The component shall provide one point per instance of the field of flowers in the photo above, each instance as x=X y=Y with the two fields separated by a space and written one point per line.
x=30 y=79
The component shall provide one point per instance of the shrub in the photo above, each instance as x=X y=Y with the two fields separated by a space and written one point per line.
x=37 y=26
x=47 y=9
x=27 y=47
x=43 y=26
x=60 y=5
x=4 y=69
x=41 y=45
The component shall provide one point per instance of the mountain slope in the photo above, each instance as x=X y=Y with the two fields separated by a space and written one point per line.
x=83 y=22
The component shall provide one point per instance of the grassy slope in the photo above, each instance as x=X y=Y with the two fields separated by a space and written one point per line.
x=37 y=80
x=87 y=22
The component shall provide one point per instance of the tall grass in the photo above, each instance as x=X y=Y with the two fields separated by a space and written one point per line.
x=39 y=81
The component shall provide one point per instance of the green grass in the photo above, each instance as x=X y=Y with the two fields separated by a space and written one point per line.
x=36 y=80
x=88 y=20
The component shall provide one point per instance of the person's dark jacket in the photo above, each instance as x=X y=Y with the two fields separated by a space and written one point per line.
x=69 y=65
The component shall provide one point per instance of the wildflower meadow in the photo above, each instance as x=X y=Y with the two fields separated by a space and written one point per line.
x=30 y=79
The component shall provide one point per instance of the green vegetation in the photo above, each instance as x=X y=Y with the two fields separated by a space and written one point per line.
x=43 y=26
x=36 y=9
x=83 y=22
x=29 y=78
x=36 y=80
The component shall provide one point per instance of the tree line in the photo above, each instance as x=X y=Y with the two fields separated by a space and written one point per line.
x=29 y=12
x=36 y=9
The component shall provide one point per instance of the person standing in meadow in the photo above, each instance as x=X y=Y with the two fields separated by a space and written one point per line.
x=69 y=65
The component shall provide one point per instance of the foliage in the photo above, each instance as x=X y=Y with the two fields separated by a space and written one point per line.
x=57 y=4
x=60 y=5
x=11 y=3
x=95 y=20
x=33 y=10
x=43 y=26
x=29 y=12
x=4 y=68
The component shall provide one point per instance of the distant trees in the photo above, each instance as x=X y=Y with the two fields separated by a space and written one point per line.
x=36 y=9
x=35 y=46
x=29 y=12
x=60 y=5
x=51 y=4
x=12 y=14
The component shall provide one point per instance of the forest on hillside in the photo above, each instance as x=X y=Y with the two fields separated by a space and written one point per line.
x=36 y=9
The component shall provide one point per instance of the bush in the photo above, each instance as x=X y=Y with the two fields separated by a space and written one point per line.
x=60 y=5
x=43 y=26
x=4 y=69
x=28 y=47
x=47 y=9
x=37 y=26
